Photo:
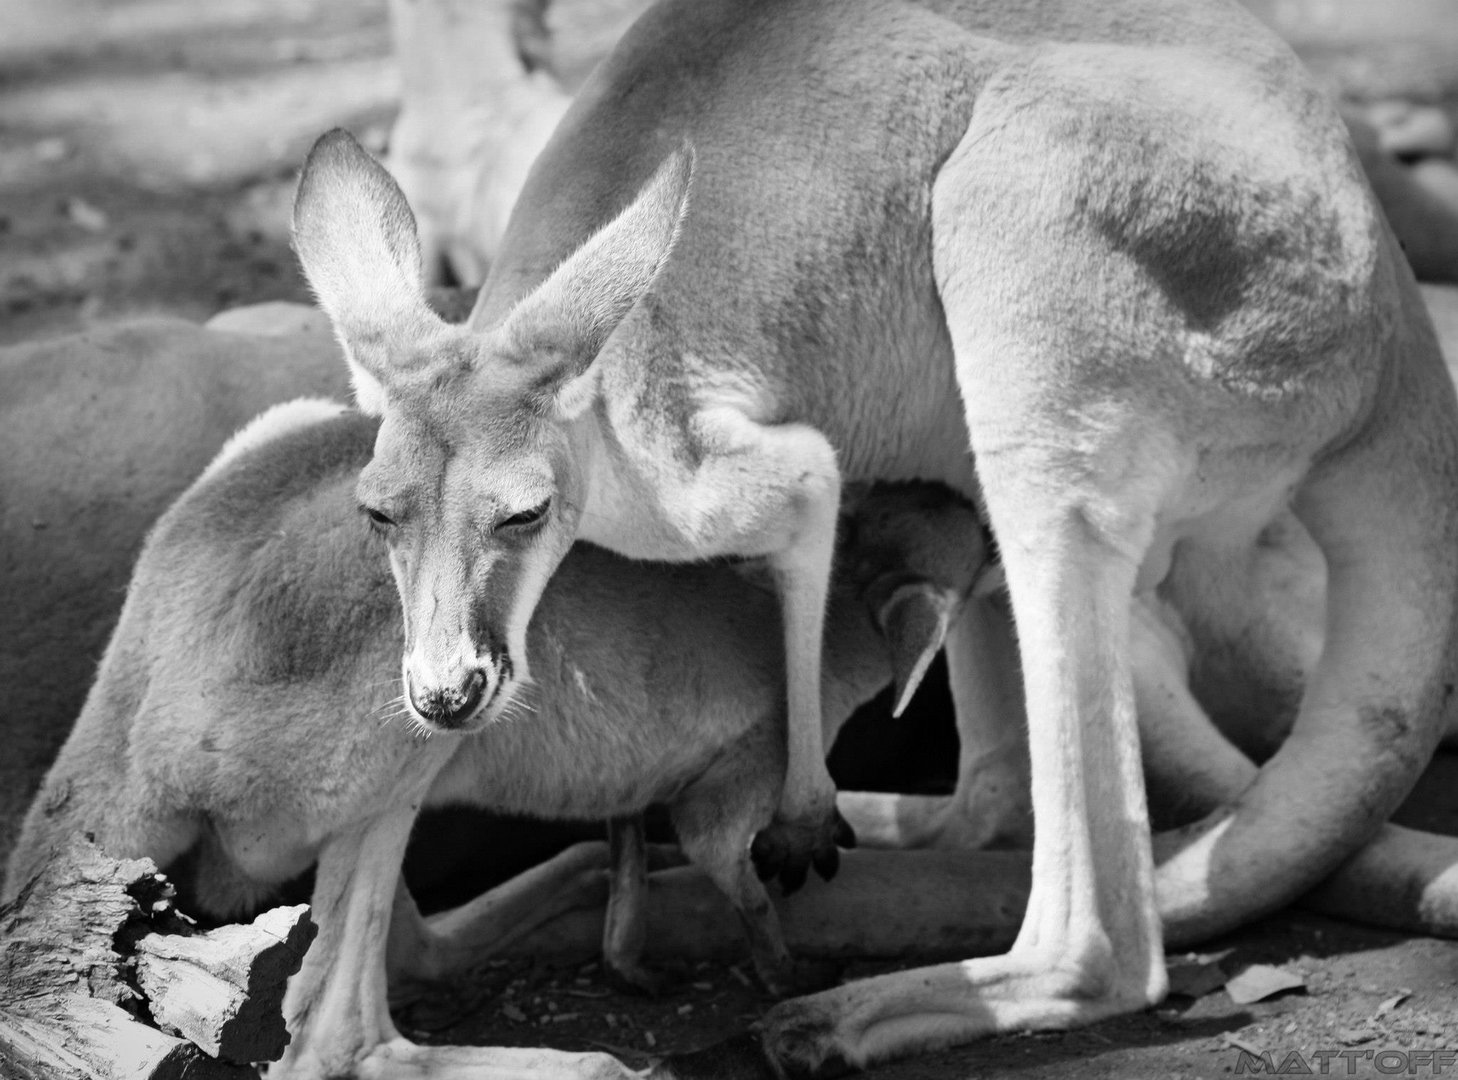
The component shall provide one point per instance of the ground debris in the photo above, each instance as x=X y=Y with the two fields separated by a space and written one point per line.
x=1260 y=981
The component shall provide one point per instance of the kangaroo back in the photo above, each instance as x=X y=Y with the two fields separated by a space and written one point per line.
x=99 y=433
x=246 y=665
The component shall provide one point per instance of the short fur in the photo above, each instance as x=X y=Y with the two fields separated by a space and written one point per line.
x=473 y=115
x=247 y=711
x=99 y=433
x=1124 y=251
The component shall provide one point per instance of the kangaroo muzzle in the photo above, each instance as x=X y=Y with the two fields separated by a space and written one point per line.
x=448 y=706
x=451 y=702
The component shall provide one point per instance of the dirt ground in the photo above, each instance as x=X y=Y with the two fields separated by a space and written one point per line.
x=1361 y=990
x=147 y=150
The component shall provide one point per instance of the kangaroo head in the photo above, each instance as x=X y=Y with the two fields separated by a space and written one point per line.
x=914 y=552
x=475 y=485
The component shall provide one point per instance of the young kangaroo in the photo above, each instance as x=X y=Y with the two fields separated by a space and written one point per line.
x=245 y=710
x=1123 y=251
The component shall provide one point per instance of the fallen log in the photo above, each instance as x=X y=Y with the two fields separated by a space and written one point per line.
x=102 y=979
x=881 y=905
x=938 y=905
x=73 y=1037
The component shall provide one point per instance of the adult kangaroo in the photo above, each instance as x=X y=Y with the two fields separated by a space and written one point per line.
x=1123 y=252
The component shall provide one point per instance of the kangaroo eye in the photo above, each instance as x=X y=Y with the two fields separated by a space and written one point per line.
x=379 y=520
x=526 y=517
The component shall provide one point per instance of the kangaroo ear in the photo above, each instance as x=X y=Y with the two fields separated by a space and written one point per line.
x=563 y=323
x=356 y=238
x=915 y=620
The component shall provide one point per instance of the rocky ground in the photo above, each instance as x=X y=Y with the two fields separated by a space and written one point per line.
x=147 y=150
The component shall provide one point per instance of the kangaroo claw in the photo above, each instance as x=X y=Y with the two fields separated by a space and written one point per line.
x=786 y=850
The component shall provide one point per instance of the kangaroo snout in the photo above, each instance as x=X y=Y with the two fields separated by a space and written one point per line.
x=450 y=706
x=451 y=696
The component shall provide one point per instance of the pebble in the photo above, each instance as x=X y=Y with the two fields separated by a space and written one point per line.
x=1407 y=129
x=82 y=213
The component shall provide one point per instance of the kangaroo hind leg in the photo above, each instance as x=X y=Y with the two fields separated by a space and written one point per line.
x=1383 y=508
x=1074 y=484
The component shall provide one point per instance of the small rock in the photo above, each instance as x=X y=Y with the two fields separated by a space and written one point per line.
x=1391 y=1003
x=82 y=213
x=1406 y=129
x=1260 y=981
x=511 y=1012
x=1233 y=1043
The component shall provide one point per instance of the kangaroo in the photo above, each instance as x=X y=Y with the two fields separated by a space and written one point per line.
x=483 y=83
x=483 y=87
x=1123 y=253
x=99 y=432
x=244 y=717
x=473 y=115
x=471 y=147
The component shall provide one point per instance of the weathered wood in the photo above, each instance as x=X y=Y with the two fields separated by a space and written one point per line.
x=95 y=960
x=60 y=931
x=73 y=1037
x=224 y=989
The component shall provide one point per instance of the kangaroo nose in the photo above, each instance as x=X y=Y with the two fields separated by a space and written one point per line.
x=450 y=707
